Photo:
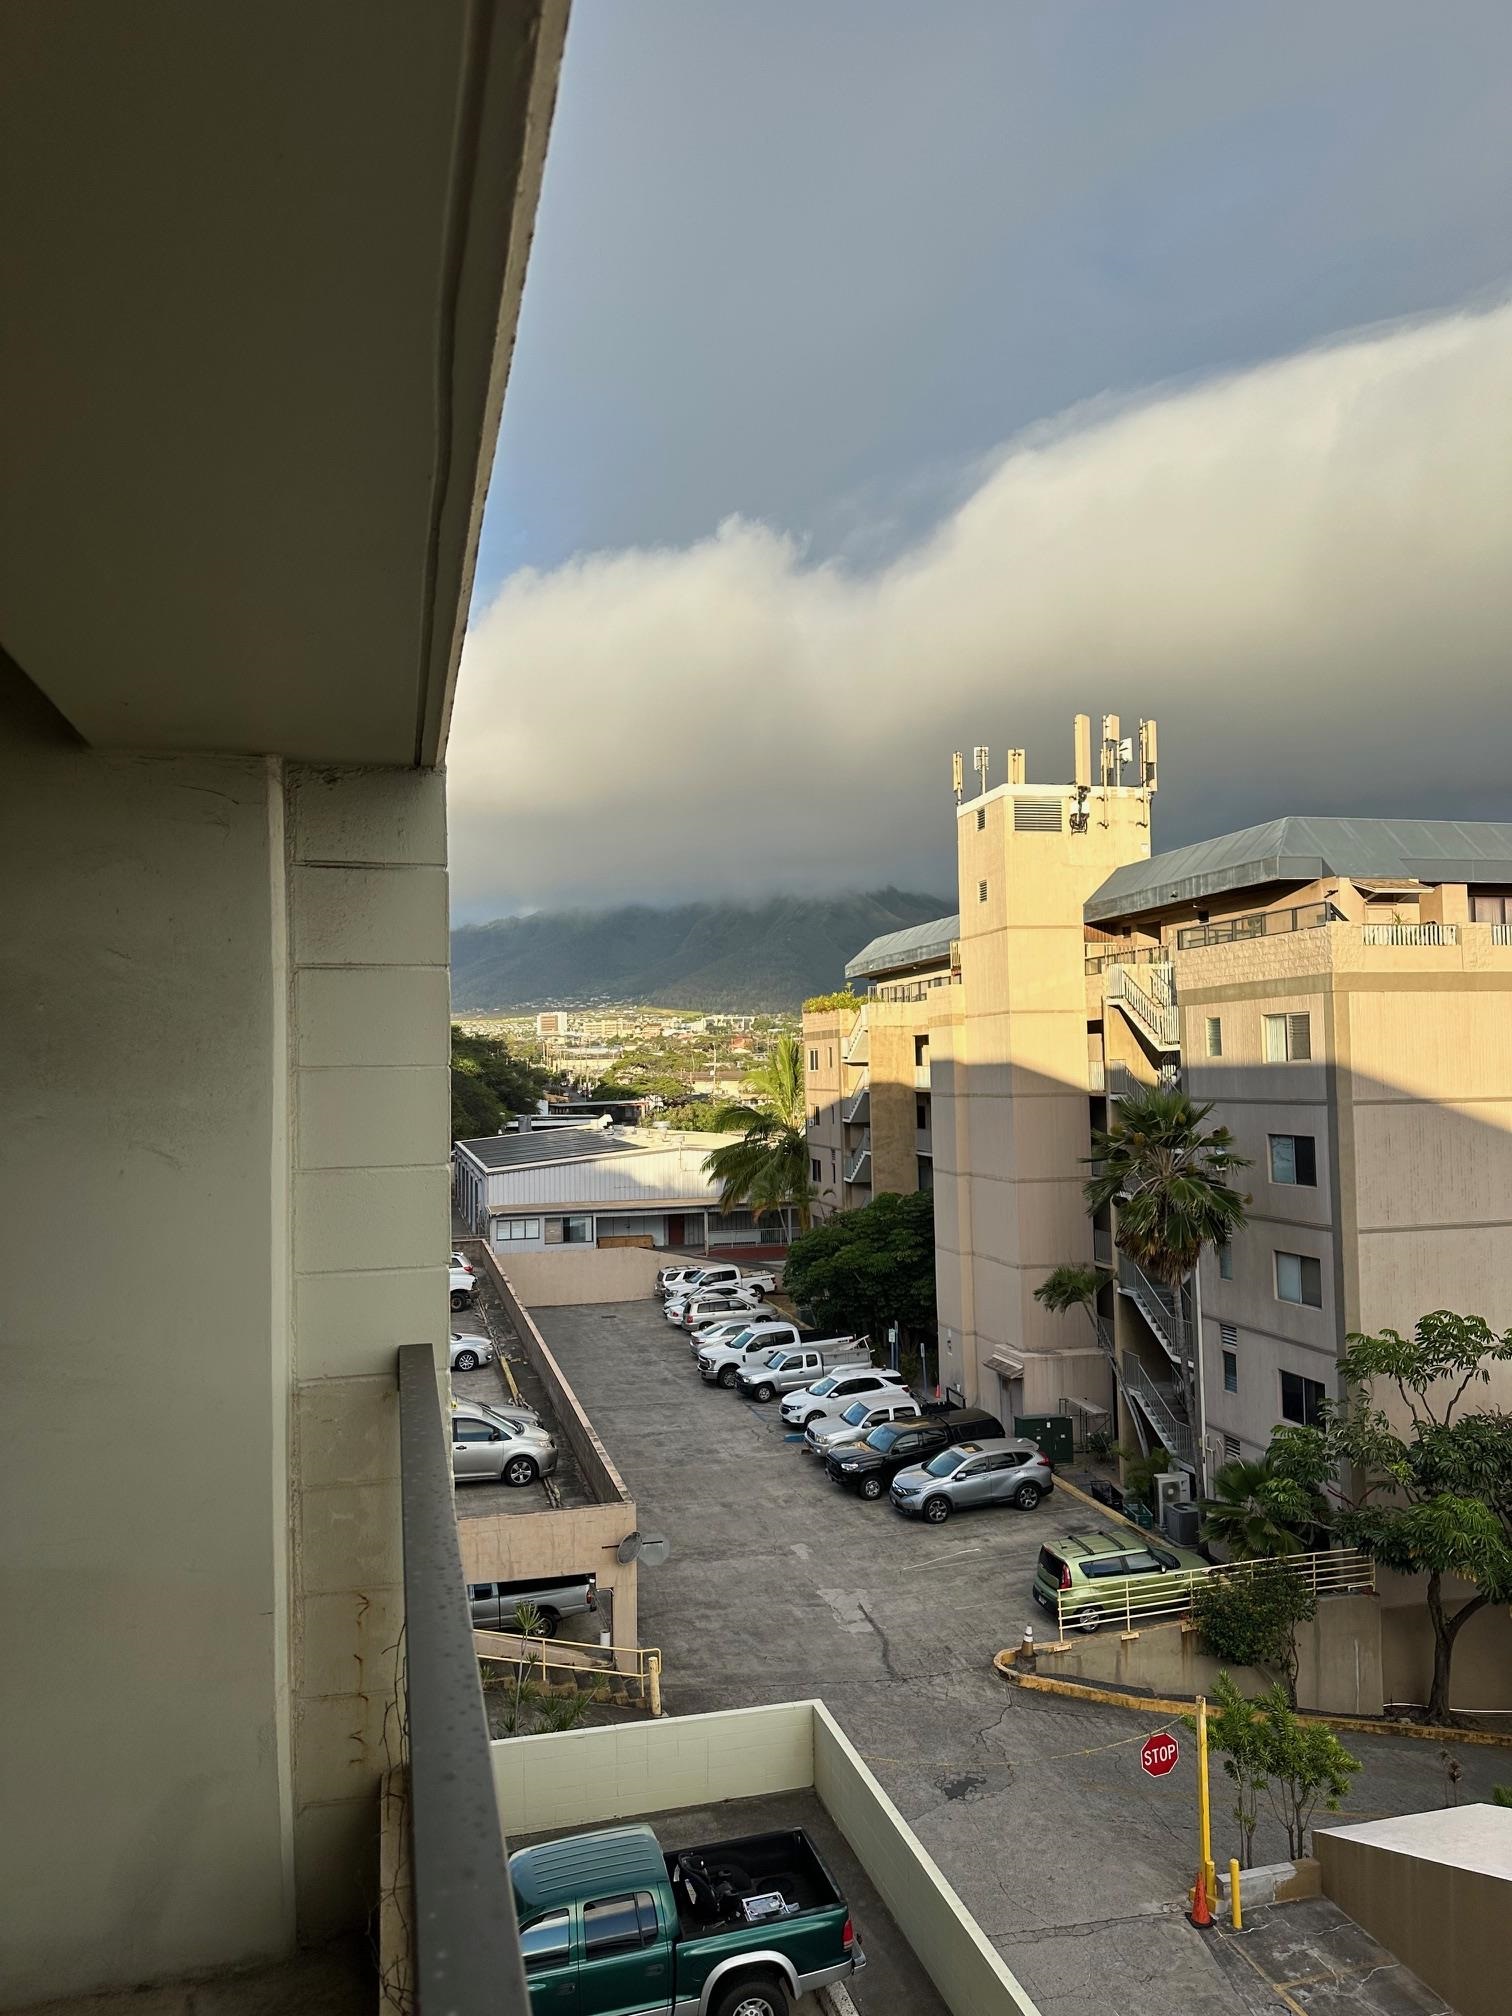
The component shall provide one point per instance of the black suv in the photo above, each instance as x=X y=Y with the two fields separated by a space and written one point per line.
x=870 y=1466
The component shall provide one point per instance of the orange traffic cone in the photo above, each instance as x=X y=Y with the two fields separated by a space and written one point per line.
x=1200 y=1915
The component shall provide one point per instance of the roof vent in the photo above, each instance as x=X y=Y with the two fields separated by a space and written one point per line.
x=1038 y=815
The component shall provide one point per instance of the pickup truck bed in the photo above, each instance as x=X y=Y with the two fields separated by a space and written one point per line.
x=754 y=1866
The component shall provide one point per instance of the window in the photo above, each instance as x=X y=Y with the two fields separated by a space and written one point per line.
x=814 y=1168
x=814 y=1066
x=1491 y=906
x=921 y=1115
x=1231 y=1372
x=1225 y=1262
x=1288 y=1038
x=473 y=1431
x=1294 y=1159
x=569 y=1231
x=1106 y=1565
x=1299 y=1278
x=981 y=892
x=921 y=1051
x=1228 y=1335
x=1214 y=1036
x=981 y=819
x=1302 y=1399
x=829 y=1051
x=516 y=1228
x=618 y=1924
x=545 y=1943
x=1231 y=1448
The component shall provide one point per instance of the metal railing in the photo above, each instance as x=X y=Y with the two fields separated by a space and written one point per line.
x=856 y=1041
x=1149 y=1001
x=1501 y=934
x=466 y=1935
x=1156 y=1304
x=859 y=1160
x=1121 y=1081
x=1152 y=1597
x=859 y=1101
x=1410 y=934
x=1125 y=955
x=1102 y=1246
x=1159 y=1404
x=640 y=1663
x=915 y=990
x=1254 y=924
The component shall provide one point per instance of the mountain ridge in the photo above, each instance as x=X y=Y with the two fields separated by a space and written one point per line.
x=742 y=957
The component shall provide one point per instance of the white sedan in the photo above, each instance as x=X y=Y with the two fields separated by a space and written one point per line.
x=468 y=1353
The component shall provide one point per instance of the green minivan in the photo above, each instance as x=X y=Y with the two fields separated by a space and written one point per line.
x=1084 y=1578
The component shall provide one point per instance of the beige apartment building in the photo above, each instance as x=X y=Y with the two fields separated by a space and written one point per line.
x=1340 y=989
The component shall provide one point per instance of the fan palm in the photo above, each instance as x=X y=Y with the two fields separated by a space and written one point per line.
x=767 y=1168
x=1258 y=1511
x=1169 y=1180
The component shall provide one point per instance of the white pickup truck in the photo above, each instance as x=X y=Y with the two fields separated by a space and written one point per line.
x=713 y=1274
x=786 y=1370
x=719 y=1363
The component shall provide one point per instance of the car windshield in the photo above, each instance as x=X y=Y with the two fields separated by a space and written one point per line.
x=822 y=1386
x=857 y=1412
x=740 y=1338
x=777 y=1360
x=946 y=1463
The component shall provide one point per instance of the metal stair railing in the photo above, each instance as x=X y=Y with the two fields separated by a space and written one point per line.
x=1150 y=1003
x=859 y=1160
x=1158 y=1403
x=1157 y=1305
x=859 y=1101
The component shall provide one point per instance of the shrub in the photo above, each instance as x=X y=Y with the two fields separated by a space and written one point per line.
x=1249 y=1617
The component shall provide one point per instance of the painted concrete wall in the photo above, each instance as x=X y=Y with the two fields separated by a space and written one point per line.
x=225 y=1204
x=1436 y=1890
x=144 y=1711
x=559 y=1275
x=370 y=1103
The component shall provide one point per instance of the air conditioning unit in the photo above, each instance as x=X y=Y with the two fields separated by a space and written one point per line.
x=1172 y=1487
x=1182 y=1524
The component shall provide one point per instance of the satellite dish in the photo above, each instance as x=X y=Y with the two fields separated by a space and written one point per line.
x=628 y=1549
x=654 y=1550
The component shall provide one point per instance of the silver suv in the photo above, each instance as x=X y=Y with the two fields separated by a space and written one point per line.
x=498 y=1447
x=1006 y=1472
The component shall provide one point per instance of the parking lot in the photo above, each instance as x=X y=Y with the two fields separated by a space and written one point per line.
x=780 y=1586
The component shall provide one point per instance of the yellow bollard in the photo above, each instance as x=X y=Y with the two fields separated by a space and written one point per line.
x=1236 y=1916
x=1204 y=1810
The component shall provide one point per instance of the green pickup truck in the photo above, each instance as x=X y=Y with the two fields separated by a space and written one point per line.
x=612 y=1926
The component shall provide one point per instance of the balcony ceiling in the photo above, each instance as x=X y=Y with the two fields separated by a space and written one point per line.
x=261 y=267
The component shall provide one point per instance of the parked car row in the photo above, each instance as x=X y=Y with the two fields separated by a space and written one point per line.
x=713 y=1275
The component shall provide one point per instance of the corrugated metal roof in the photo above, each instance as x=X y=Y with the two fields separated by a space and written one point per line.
x=597 y=1864
x=919 y=945
x=1304 y=849
x=550 y=1144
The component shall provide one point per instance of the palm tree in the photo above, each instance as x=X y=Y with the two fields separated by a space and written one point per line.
x=1169 y=1182
x=1258 y=1512
x=767 y=1169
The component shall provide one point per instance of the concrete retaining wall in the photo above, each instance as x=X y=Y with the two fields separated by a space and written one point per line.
x=630 y=1772
x=567 y=1274
x=1338 y=1673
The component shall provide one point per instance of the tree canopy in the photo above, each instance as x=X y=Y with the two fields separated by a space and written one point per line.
x=861 y=1270
x=767 y=1169
x=489 y=1084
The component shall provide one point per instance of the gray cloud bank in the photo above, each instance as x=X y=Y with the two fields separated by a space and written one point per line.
x=1302 y=570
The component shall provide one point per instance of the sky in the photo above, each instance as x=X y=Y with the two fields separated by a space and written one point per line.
x=891 y=380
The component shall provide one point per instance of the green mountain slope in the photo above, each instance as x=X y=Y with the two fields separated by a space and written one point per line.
x=735 y=956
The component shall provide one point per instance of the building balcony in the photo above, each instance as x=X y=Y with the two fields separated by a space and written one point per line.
x=921 y=1078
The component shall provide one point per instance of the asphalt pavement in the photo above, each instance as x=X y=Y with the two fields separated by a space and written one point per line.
x=781 y=1586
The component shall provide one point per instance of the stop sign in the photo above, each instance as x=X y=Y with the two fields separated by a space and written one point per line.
x=1158 y=1755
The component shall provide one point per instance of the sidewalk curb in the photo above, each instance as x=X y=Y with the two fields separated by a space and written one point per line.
x=1181 y=1704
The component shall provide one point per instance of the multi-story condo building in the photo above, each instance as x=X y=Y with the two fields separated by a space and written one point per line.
x=867 y=1068
x=1341 y=990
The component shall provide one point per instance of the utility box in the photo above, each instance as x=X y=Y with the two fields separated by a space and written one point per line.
x=1052 y=1432
x=1172 y=1487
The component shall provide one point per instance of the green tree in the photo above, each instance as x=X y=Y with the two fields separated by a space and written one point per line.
x=1432 y=1485
x=1249 y=1617
x=767 y=1169
x=1236 y=1737
x=861 y=1270
x=1169 y=1181
x=1270 y=1505
x=489 y=1084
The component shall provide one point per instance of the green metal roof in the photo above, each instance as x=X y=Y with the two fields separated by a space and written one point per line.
x=585 y=1865
x=897 y=951
x=1304 y=849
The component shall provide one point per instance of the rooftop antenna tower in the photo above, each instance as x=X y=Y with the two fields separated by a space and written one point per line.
x=957 y=774
x=980 y=756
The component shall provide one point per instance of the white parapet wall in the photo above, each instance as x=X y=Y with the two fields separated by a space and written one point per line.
x=583 y=1776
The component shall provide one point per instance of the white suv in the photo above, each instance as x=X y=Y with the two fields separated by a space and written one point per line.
x=830 y=1396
